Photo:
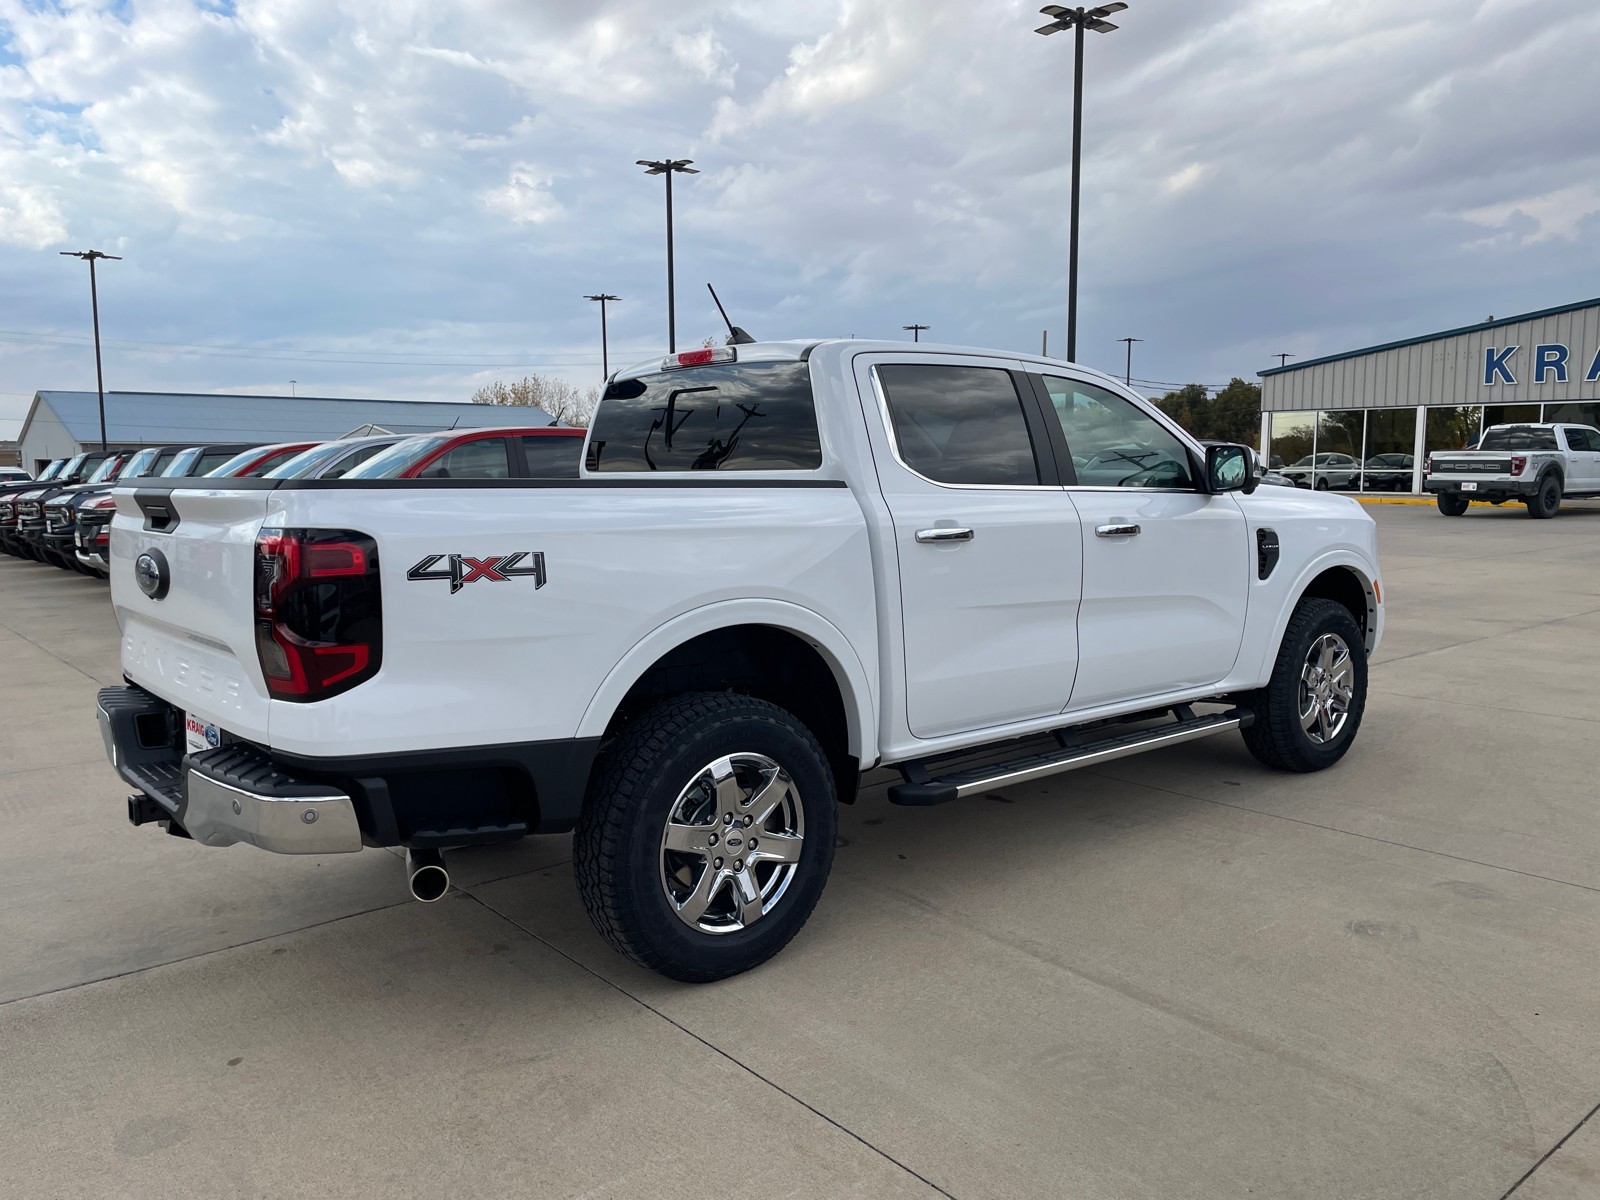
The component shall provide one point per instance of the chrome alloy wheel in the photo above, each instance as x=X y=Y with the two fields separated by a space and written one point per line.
x=1327 y=686
x=732 y=843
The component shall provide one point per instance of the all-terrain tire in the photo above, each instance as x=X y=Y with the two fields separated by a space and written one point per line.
x=1279 y=737
x=1546 y=502
x=619 y=854
x=1453 y=505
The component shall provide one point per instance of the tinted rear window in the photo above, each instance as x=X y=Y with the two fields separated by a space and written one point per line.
x=735 y=417
x=552 y=457
x=1518 y=437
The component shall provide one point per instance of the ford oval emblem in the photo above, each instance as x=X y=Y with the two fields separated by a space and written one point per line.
x=151 y=572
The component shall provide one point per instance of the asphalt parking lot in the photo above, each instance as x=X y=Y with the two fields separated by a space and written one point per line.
x=1180 y=975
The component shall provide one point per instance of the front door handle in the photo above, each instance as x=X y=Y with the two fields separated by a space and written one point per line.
x=1116 y=530
x=944 y=534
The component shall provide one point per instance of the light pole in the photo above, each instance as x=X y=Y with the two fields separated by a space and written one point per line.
x=292 y=392
x=916 y=331
x=1283 y=359
x=1077 y=19
x=605 y=357
x=1127 y=378
x=669 y=167
x=94 y=306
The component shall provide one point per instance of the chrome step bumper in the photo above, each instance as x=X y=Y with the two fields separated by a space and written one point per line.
x=922 y=788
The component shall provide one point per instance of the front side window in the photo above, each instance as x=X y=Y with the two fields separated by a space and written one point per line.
x=959 y=424
x=1113 y=443
x=481 y=459
x=728 y=417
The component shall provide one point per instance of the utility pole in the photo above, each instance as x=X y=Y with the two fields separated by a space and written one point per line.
x=1044 y=344
x=669 y=167
x=1076 y=19
x=1283 y=359
x=605 y=356
x=292 y=392
x=916 y=331
x=1127 y=378
x=89 y=257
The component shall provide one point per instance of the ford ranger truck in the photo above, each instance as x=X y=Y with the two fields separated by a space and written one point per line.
x=1536 y=464
x=780 y=565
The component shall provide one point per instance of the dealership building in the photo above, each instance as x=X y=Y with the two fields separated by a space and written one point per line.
x=1377 y=413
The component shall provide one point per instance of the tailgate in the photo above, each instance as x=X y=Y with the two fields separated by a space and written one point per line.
x=194 y=646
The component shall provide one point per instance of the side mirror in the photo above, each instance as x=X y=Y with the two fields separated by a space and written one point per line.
x=1230 y=469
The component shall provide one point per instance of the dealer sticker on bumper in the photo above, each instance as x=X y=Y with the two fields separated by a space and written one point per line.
x=1470 y=486
x=198 y=735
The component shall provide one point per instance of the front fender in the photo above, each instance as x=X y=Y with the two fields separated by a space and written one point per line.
x=855 y=684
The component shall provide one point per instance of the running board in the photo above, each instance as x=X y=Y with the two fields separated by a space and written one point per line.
x=921 y=789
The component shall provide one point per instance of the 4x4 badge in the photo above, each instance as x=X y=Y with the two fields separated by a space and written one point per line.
x=463 y=570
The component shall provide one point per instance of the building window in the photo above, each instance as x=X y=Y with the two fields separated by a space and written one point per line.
x=1453 y=428
x=1340 y=435
x=1573 y=414
x=1293 y=435
x=1389 y=460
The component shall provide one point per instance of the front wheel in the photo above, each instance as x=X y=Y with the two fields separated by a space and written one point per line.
x=707 y=835
x=1546 y=502
x=1309 y=712
x=1452 y=504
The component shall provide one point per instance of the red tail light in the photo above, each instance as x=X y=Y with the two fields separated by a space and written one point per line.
x=1518 y=461
x=1427 y=465
x=319 y=611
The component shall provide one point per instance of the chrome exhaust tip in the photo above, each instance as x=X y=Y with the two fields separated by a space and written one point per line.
x=426 y=875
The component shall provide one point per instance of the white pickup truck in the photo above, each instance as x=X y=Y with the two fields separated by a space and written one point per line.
x=1536 y=464
x=783 y=564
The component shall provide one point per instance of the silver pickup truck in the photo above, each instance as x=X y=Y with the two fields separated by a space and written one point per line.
x=1536 y=464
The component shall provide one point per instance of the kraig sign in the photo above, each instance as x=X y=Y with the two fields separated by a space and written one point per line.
x=1548 y=360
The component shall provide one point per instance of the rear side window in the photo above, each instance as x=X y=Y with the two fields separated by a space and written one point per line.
x=959 y=424
x=1578 y=439
x=734 y=417
x=485 y=458
x=1518 y=437
x=552 y=457
x=1114 y=444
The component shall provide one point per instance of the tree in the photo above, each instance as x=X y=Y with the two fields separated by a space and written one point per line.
x=1232 y=415
x=566 y=402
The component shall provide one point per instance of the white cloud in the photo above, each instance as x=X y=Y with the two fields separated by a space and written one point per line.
x=703 y=54
x=525 y=197
x=1556 y=214
x=29 y=217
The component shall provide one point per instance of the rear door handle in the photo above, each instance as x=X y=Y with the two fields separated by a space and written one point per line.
x=1116 y=530
x=944 y=534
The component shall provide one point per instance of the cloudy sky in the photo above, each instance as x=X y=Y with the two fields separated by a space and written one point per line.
x=409 y=198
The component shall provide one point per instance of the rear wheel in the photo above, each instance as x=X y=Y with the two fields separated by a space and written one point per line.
x=1546 y=502
x=1452 y=504
x=707 y=836
x=1308 y=714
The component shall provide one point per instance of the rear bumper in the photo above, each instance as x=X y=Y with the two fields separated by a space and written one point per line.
x=1487 y=489
x=289 y=804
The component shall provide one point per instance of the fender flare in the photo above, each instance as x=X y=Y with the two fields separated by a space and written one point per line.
x=1325 y=562
x=855 y=684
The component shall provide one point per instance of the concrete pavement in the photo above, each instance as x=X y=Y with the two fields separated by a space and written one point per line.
x=1178 y=975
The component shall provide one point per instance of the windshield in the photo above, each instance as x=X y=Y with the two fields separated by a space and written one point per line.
x=106 y=469
x=179 y=466
x=311 y=462
x=139 y=464
x=1518 y=437
x=52 y=470
x=72 y=465
x=400 y=456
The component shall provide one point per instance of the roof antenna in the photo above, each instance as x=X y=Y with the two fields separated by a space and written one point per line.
x=736 y=336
